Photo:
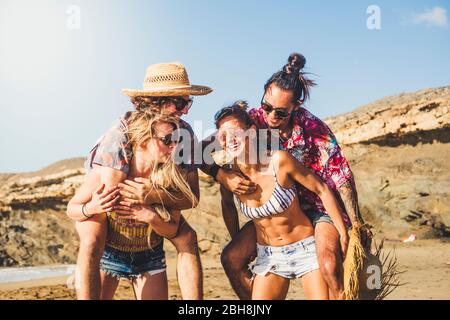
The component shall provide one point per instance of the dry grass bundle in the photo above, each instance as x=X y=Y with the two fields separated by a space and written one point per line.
x=369 y=274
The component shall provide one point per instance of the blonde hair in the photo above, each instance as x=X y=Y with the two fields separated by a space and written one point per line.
x=141 y=127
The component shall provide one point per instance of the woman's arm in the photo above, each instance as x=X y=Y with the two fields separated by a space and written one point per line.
x=310 y=181
x=167 y=229
x=97 y=194
x=139 y=191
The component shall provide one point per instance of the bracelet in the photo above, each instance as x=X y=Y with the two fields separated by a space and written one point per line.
x=83 y=208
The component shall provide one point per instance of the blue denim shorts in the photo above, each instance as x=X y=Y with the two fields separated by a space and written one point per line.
x=318 y=216
x=130 y=265
x=290 y=261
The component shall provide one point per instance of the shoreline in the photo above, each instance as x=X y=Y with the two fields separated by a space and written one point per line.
x=426 y=266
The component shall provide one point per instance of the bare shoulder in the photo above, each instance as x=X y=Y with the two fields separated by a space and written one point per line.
x=282 y=157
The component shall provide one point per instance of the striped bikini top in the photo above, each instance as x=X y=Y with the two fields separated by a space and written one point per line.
x=278 y=202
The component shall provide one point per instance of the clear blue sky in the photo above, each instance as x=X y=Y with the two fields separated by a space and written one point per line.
x=60 y=89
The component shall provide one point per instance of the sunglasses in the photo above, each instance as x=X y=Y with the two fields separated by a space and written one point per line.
x=280 y=113
x=181 y=104
x=168 y=139
x=222 y=113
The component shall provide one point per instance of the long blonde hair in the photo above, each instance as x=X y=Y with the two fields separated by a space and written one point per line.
x=141 y=127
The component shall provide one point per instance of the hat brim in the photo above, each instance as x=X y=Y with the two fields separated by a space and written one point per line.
x=192 y=90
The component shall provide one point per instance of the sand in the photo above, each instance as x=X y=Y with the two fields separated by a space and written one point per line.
x=426 y=266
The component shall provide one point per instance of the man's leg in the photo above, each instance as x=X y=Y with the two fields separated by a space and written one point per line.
x=189 y=266
x=235 y=259
x=330 y=258
x=92 y=235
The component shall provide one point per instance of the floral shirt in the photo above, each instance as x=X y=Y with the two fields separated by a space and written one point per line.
x=113 y=149
x=314 y=145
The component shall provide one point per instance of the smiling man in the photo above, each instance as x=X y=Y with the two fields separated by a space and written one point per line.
x=313 y=144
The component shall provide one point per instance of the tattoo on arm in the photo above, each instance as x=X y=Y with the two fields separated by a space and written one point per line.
x=349 y=199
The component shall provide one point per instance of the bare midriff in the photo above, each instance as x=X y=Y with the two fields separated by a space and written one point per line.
x=284 y=228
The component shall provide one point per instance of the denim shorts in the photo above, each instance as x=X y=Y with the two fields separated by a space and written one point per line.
x=130 y=265
x=290 y=261
x=318 y=216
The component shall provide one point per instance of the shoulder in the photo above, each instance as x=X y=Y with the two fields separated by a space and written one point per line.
x=311 y=123
x=281 y=158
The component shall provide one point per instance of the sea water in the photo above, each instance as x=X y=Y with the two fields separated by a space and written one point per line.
x=9 y=275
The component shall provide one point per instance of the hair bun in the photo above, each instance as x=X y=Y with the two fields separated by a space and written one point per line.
x=296 y=62
x=241 y=104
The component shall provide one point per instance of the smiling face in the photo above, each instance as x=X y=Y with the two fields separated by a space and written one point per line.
x=233 y=137
x=278 y=99
x=155 y=149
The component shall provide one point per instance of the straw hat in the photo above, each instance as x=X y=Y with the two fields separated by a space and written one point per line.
x=167 y=79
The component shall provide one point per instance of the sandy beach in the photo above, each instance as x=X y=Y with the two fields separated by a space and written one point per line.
x=426 y=266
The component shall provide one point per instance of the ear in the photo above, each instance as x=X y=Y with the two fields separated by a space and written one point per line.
x=297 y=105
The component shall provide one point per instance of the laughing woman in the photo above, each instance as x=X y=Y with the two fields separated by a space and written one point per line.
x=134 y=243
x=284 y=234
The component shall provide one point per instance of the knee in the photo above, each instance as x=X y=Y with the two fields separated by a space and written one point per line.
x=92 y=246
x=186 y=241
x=231 y=258
x=329 y=265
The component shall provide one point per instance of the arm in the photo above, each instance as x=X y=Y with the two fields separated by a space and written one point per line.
x=98 y=193
x=167 y=229
x=338 y=169
x=177 y=200
x=310 y=181
x=139 y=191
x=229 y=212
x=349 y=197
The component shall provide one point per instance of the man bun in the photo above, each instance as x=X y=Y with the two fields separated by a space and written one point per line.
x=296 y=62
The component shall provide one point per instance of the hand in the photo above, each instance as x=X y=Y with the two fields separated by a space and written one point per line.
x=235 y=182
x=366 y=235
x=136 y=191
x=344 y=244
x=102 y=200
x=138 y=212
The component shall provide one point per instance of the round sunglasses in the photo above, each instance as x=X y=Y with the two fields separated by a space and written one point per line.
x=280 y=113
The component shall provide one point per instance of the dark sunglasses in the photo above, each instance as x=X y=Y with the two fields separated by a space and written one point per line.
x=168 y=139
x=180 y=103
x=280 y=113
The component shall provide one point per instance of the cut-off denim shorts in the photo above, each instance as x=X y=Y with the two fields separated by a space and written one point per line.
x=131 y=265
x=290 y=261
x=317 y=217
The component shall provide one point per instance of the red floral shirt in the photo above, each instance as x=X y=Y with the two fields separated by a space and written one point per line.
x=314 y=145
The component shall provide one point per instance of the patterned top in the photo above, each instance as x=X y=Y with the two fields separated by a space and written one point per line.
x=113 y=149
x=130 y=236
x=314 y=145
